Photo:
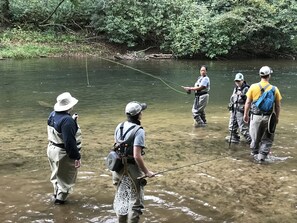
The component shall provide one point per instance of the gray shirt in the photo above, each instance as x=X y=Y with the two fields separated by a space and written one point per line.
x=139 y=139
x=203 y=81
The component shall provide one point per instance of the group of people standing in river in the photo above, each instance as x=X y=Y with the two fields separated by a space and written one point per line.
x=64 y=134
x=245 y=117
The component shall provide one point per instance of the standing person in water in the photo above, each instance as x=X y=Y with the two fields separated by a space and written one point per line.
x=201 y=89
x=236 y=107
x=64 y=146
x=262 y=136
x=134 y=153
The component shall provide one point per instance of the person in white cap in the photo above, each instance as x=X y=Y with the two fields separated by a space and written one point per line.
x=236 y=107
x=63 y=151
x=135 y=164
x=262 y=139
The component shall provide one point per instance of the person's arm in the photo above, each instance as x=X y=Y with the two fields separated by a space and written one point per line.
x=247 y=107
x=194 y=88
x=277 y=106
x=140 y=162
x=68 y=130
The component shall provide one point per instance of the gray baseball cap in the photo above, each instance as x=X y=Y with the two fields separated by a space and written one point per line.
x=135 y=107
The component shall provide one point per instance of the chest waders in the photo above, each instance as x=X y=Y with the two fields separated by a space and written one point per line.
x=127 y=191
x=234 y=119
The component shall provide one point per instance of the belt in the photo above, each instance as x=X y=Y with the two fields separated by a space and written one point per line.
x=262 y=114
x=62 y=146
x=199 y=94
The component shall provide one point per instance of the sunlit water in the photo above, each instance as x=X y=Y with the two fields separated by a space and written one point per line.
x=222 y=185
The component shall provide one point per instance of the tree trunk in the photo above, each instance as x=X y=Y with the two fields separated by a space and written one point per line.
x=5 y=15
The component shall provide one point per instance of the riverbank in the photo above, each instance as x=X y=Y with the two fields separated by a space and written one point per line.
x=21 y=44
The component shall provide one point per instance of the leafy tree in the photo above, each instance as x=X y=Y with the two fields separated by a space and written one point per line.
x=256 y=26
x=60 y=13
x=187 y=28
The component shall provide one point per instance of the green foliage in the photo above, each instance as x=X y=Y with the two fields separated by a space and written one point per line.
x=17 y=43
x=71 y=13
x=27 y=51
x=127 y=21
x=256 y=26
x=224 y=32
x=19 y=35
x=171 y=24
x=186 y=28
x=209 y=27
x=185 y=32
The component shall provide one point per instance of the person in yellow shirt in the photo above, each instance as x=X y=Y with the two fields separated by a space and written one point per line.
x=262 y=139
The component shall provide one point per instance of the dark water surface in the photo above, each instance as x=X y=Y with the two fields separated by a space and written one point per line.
x=224 y=186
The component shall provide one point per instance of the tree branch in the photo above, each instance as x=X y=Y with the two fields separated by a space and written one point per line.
x=53 y=12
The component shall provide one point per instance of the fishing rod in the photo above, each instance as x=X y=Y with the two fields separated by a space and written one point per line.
x=180 y=167
x=87 y=73
x=146 y=73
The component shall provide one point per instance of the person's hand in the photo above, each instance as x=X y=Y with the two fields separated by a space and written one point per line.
x=150 y=174
x=75 y=116
x=186 y=88
x=276 y=120
x=77 y=163
x=246 y=118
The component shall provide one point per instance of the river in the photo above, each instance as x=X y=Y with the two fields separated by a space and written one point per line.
x=222 y=185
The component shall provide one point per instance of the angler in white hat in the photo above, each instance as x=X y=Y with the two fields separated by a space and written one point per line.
x=263 y=102
x=63 y=151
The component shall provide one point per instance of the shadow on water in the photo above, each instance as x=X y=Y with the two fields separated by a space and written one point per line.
x=222 y=185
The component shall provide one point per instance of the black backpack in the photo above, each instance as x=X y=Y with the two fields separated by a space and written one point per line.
x=122 y=148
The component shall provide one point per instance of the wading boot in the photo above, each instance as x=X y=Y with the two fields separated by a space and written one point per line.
x=234 y=139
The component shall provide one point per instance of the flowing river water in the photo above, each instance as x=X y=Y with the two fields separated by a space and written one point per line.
x=224 y=185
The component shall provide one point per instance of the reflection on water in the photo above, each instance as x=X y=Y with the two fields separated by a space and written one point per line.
x=225 y=185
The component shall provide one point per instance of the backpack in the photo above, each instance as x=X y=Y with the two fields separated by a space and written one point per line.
x=265 y=102
x=123 y=148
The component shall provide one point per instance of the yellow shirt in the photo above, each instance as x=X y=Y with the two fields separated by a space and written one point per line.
x=254 y=91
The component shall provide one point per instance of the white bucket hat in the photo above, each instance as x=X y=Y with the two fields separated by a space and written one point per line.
x=134 y=107
x=64 y=102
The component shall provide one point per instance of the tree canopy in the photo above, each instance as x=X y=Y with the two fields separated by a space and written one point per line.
x=186 y=28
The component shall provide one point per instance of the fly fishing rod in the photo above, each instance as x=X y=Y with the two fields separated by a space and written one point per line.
x=180 y=167
x=87 y=73
x=146 y=73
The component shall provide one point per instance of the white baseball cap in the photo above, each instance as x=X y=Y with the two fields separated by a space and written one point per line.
x=264 y=71
x=64 y=102
x=135 y=107
x=239 y=77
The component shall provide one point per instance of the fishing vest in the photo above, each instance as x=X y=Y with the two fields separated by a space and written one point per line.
x=237 y=101
x=198 y=83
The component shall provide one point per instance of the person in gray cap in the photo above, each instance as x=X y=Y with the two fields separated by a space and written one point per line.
x=262 y=138
x=63 y=151
x=135 y=164
x=236 y=107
